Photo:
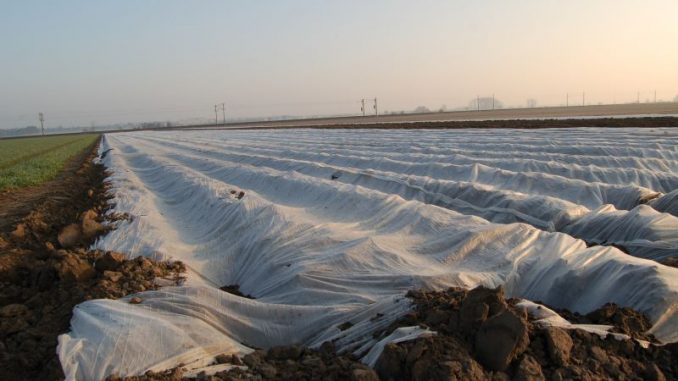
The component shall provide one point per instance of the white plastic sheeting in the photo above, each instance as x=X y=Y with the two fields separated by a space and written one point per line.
x=667 y=203
x=643 y=231
x=336 y=225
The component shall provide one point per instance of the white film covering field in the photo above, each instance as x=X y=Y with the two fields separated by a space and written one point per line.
x=335 y=226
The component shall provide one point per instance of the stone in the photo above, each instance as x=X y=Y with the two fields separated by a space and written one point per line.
x=529 y=370
x=110 y=261
x=501 y=339
x=69 y=236
x=144 y=264
x=599 y=354
x=49 y=246
x=90 y=226
x=135 y=300
x=113 y=276
x=558 y=344
x=480 y=304
x=19 y=233
x=72 y=268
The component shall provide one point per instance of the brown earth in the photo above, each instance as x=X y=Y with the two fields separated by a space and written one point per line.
x=46 y=269
x=482 y=336
x=639 y=122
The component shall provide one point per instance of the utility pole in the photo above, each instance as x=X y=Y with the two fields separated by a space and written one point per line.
x=216 y=115
x=376 y=110
x=362 y=106
x=41 y=117
x=478 y=102
x=492 y=101
x=583 y=98
x=223 y=111
x=655 y=96
x=567 y=99
x=638 y=97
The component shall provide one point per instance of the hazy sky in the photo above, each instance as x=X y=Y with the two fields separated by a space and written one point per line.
x=116 y=61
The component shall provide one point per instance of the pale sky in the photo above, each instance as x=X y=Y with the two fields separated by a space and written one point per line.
x=87 y=61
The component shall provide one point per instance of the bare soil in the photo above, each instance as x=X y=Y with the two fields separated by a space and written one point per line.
x=483 y=336
x=639 y=122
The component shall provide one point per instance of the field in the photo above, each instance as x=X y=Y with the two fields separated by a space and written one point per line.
x=328 y=229
x=31 y=161
x=617 y=111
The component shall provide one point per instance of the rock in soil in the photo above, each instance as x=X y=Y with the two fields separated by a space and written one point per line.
x=70 y=236
x=110 y=261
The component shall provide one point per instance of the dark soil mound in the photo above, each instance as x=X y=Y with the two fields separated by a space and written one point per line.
x=623 y=319
x=482 y=336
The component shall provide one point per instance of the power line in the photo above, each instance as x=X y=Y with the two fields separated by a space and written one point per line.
x=41 y=117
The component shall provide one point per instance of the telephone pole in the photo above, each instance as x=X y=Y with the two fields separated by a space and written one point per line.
x=638 y=97
x=41 y=117
x=655 y=96
x=216 y=115
x=362 y=106
x=492 y=101
x=223 y=111
x=376 y=110
x=567 y=99
x=478 y=102
x=583 y=98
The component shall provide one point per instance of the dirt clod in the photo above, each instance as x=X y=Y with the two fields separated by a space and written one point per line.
x=69 y=236
x=110 y=261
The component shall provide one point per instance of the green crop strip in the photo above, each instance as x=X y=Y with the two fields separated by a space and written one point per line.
x=32 y=161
